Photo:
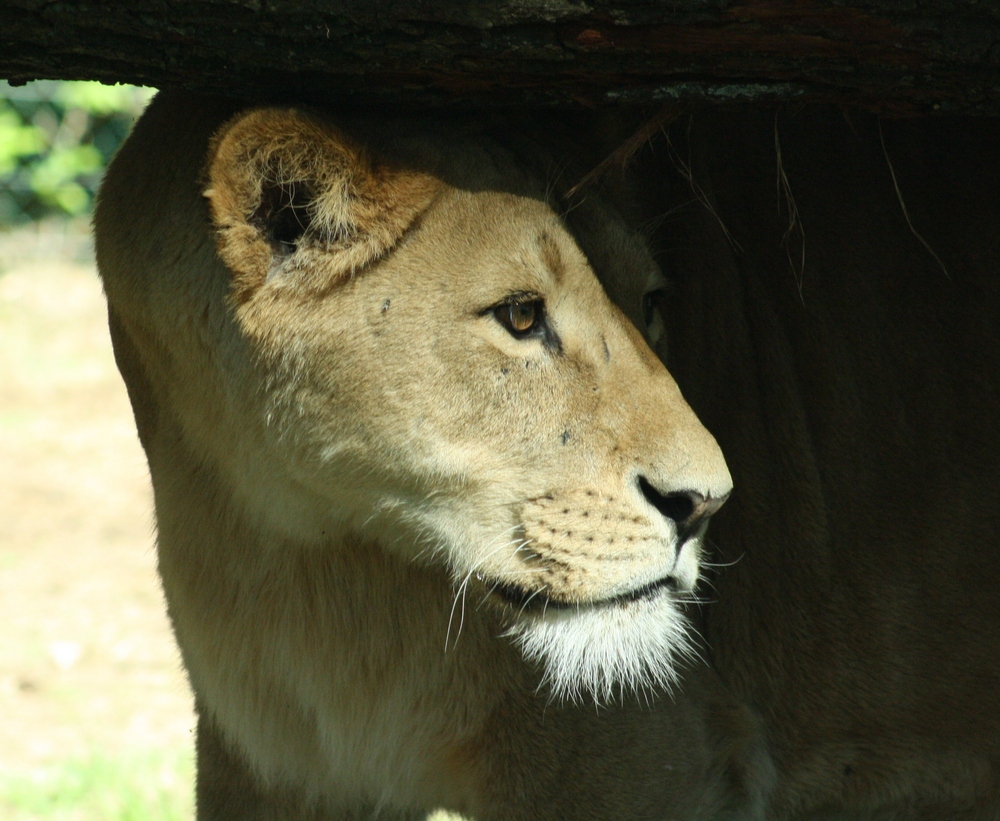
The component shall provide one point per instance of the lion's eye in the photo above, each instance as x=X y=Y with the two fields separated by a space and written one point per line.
x=655 y=327
x=520 y=318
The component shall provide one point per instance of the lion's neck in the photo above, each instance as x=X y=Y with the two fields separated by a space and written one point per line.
x=375 y=679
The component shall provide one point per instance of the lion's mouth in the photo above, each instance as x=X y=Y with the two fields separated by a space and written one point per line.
x=536 y=600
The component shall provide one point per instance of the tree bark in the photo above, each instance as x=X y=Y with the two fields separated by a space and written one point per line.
x=892 y=55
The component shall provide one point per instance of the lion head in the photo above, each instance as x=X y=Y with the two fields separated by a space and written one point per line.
x=430 y=360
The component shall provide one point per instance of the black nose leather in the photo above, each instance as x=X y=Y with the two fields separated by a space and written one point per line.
x=688 y=509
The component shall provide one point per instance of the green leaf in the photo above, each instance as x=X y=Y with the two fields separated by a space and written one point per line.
x=17 y=140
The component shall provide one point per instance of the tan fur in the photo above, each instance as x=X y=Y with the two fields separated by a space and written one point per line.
x=399 y=545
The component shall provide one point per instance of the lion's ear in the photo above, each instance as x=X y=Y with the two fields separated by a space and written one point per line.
x=288 y=192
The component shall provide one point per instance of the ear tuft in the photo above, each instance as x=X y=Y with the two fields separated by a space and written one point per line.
x=290 y=194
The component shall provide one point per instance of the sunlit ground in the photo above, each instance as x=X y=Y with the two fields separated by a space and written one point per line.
x=95 y=717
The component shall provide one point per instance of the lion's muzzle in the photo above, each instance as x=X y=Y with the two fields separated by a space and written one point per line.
x=587 y=547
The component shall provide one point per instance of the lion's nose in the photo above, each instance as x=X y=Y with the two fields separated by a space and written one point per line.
x=686 y=508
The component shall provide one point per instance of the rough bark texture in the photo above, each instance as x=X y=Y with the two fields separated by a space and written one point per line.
x=894 y=55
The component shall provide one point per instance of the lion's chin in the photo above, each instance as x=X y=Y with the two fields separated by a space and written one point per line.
x=607 y=651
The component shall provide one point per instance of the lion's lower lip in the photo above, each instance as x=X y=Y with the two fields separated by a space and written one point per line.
x=538 y=600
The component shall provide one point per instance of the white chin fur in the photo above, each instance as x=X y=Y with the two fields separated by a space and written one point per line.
x=601 y=652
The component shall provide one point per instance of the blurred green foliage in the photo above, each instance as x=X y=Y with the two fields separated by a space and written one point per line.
x=55 y=140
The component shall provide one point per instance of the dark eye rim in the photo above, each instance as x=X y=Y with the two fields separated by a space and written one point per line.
x=502 y=314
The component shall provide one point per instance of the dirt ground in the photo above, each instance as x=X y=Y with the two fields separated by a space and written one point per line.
x=87 y=662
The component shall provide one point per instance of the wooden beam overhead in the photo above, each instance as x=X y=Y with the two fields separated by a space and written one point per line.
x=898 y=57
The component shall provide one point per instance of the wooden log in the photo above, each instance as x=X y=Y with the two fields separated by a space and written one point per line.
x=893 y=55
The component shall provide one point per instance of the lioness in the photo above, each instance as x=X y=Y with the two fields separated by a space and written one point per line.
x=431 y=514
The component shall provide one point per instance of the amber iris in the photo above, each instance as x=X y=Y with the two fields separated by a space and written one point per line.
x=522 y=316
